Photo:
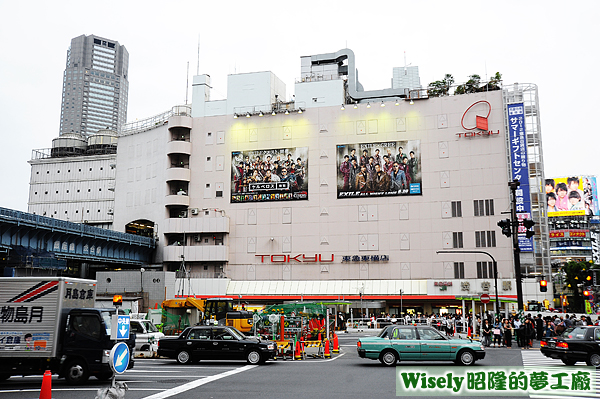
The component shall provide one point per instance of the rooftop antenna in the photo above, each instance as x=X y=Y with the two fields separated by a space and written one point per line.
x=198 y=63
x=187 y=82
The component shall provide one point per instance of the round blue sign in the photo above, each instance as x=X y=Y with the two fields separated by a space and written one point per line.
x=119 y=357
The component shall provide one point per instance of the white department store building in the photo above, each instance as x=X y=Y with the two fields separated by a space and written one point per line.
x=324 y=234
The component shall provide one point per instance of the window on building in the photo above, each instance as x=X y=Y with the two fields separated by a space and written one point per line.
x=485 y=239
x=456 y=209
x=457 y=239
x=459 y=270
x=219 y=193
x=485 y=270
x=483 y=207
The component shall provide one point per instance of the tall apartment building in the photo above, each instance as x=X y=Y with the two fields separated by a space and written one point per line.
x=95 y=86
x=406 y=78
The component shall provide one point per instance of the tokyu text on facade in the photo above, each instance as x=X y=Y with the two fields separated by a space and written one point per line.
x=300 y=258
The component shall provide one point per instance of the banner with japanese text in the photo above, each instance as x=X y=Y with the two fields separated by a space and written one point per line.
x=520 y=168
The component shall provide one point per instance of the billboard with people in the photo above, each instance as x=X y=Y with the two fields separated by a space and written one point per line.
x=570 y=196
x=379 y=169
x=269 y=175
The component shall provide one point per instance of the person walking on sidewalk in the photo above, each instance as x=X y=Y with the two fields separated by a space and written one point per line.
x=497 y=332
x=528 y=334
x=486 y=332
x=507 y=333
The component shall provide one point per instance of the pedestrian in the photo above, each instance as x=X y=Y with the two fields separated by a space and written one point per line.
x=529 y=334
x=507 y=333
x=497 y=332
x=486 y=332
x=539 y=327
x=548 y=329
x=517 y=330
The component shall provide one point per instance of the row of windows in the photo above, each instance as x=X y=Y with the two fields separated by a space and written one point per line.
x=484 y=270
x=483 y=239
x=68 y=171
x=89 y=191
x=480 y=208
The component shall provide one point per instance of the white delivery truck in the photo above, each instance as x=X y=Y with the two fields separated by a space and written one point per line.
x=49 y=323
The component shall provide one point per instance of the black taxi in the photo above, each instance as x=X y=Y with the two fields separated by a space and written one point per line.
x=215 y=343
x=578 y=344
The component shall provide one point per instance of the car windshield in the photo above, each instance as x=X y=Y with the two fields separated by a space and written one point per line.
x=235 y=332
x=577 y=333
x=150 y=327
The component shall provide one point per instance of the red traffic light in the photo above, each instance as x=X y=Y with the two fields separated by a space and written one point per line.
x=586 y=293
x=543 y=286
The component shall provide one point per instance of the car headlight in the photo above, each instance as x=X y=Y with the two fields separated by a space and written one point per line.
x=482 y=348
x=271 y=347
x=106 y=356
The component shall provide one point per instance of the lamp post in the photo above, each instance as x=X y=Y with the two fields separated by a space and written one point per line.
x=142 y=270
x=495 y=269
x=401 y=293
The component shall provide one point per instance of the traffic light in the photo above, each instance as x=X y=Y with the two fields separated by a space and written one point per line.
x=528 y=224
x=586 y=294
x=543 y=286
x=588 y=277
x=117 y=300
x=505 y=226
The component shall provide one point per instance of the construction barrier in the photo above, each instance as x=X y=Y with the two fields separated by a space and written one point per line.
x=313 y=344
x=284 y=349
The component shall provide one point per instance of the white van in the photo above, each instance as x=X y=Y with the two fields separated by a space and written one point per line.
x=146 y=337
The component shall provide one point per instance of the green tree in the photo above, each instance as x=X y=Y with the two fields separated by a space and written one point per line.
x=440 y=88
x=471 y=86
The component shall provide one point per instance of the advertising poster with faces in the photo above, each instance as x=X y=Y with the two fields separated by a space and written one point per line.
x=569 y=196
x=269 y=175
x=379 y=169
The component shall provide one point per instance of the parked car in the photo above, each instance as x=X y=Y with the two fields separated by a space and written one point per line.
x=418 y=343
x=579 y=344
x=215 y=343
x=146 y=335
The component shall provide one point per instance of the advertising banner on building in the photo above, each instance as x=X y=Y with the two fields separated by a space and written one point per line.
x=269 y=175
x=570 y=196
x=520 y=168
x=379 y=169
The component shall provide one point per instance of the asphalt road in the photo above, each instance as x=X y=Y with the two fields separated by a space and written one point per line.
x=345 y=376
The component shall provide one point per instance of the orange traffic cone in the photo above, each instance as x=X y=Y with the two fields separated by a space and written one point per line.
x=336 y=344
x=298 y=353
x=326 y=353
x=319 y=336
x=469 y=332
x=46 y=392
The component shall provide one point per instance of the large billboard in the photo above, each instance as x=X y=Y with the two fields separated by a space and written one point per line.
x=569 y=196
x=379 y=169
x=520 y=168
x=269 y=175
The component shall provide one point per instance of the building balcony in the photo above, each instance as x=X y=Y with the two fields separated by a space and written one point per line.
x=196 y=225
x=196 y=253
x=177 y=200
x=180 y=121
x=179 y=147
x=181 y=174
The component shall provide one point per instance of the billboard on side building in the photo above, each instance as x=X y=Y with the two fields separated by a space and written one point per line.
x=279 y=174
x=570 y=196
x=379 y=169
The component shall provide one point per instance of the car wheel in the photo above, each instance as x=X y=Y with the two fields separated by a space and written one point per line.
x=568 y=362
x=388 y=358
x=466 y=357
x=76 y=372
x=594 y=360
x=183 y=357
x=253 y=357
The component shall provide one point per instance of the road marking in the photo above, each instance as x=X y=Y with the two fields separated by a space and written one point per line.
x=75 y=389
x=326 y=360
x=194 y=384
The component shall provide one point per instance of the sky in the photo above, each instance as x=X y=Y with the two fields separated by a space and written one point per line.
x=548 y=43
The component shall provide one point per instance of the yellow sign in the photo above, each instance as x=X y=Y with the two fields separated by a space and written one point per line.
x=588 y=307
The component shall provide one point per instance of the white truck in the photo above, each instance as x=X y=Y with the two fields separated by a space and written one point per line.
x=49 y=323
x=146 y=337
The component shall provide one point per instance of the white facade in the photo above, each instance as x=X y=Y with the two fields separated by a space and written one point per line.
x=181 y=178
x=406 y=78
x=77 y=189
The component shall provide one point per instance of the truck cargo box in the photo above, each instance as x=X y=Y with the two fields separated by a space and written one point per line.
x=30 y=309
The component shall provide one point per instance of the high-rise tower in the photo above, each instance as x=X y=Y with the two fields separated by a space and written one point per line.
x=95 y=86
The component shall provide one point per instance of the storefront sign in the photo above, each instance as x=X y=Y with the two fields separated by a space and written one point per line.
x=478 y=124
x=365 y=258
x=442 y=283
x=475 y=134
x=300 y=258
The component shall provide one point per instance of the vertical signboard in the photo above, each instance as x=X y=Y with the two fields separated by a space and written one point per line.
x=520 y=168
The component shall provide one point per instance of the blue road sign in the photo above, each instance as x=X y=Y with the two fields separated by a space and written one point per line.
x=123 y=327
x=119 y=357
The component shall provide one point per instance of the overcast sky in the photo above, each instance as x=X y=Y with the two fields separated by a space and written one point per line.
x=548 y=43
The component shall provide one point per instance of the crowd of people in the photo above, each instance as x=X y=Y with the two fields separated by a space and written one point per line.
x=390 y=172
x=568 y=196
x=269 y=170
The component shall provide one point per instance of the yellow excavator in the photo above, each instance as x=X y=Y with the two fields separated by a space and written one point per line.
x=207 y=311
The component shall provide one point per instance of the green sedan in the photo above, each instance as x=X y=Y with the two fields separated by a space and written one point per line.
x=418 y=343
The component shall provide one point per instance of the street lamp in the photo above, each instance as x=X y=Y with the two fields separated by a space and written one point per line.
x=401 y=293
x=142 y=270
x=495 y=269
